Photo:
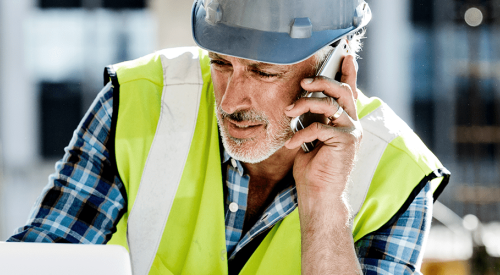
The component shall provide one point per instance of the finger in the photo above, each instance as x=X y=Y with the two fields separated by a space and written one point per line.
x=349 y=74
x=340 y=91
x=326 y=106
x=329 y=135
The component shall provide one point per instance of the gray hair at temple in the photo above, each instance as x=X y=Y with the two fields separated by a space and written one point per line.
x=354 y=43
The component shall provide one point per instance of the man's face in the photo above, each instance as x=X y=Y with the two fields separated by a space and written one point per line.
x=251 y=98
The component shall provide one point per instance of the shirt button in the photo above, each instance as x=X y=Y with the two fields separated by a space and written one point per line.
x=233 y=207
x=233 y=162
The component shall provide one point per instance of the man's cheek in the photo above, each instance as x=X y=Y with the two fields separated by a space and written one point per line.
x=218 y=88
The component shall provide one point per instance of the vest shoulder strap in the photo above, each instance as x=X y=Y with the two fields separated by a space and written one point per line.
x=180 y=76
x=389 y=142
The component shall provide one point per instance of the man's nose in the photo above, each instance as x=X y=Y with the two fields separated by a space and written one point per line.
x=237 y=95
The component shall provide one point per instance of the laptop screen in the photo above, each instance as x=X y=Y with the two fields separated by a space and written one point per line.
x=63 y=259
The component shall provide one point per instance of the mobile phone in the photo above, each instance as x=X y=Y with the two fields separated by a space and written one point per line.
x=330 y=68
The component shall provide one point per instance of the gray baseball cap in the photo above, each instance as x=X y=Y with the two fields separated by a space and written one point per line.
x=275 y=31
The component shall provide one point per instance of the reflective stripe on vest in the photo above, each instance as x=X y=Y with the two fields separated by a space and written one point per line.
x=151 y=157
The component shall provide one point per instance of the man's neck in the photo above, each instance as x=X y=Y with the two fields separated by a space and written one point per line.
x=273 y=169
x=266 y=182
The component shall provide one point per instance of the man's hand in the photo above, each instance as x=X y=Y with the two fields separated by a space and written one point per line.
x=321 y=176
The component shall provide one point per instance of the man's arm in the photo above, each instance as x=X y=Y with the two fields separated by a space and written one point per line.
x=327 y=242
x=84 y=198
x=397 y=249
x=322 y=175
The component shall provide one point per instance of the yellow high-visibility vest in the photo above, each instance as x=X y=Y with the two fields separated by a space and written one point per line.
x=168 y=96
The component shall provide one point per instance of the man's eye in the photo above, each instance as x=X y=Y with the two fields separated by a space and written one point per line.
x=217 y=62
x=263 y=74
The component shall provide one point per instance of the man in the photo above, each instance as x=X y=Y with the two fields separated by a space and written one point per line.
x=146 y=160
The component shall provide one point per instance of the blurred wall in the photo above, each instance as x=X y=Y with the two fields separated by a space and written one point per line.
x=174 y=22
x=387 y=54
x=52 y=60
x=18 y=130
x=17 y=106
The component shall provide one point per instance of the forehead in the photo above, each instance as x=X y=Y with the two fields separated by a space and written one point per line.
x=252 y=63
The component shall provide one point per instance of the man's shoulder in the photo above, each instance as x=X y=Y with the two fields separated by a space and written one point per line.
x=170 y=53
x=182 y=53
x=379 y=119
x=173 y=53
x=382 y=126
x=180 y=64
x=393 y=163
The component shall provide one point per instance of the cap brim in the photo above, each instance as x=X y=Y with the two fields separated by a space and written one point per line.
x=268 y=47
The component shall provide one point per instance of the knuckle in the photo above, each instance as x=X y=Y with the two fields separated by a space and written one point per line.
x=354 y=140
x=327 y=81
x=346 y=86
x=329 y=100
x=317 y=125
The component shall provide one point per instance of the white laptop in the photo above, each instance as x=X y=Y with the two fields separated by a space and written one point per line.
x=63 y=259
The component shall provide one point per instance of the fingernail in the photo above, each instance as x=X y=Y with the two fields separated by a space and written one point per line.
x=308 y=80
x=288 y=108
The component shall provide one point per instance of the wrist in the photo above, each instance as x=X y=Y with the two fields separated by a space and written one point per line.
x=324 y=214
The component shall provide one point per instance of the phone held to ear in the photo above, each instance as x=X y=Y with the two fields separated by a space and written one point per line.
x=331 y=69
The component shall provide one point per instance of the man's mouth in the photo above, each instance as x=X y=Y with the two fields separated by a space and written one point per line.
x=243 y=129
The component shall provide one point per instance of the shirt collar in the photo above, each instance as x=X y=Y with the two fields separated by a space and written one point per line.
x=233 y=162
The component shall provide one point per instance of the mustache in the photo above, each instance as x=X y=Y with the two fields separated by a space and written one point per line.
x=244 y=115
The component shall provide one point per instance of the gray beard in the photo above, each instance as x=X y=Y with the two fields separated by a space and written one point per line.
x=235 y=147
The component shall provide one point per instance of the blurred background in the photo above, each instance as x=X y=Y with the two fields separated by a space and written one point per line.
x=436 y=63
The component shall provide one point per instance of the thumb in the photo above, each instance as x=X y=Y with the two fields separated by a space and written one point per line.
x=349 y=74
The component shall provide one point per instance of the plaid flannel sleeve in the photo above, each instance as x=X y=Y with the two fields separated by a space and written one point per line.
x=84 y=198
x=398 y=248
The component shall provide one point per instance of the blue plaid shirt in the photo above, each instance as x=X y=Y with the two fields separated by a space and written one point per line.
x=84 y=201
